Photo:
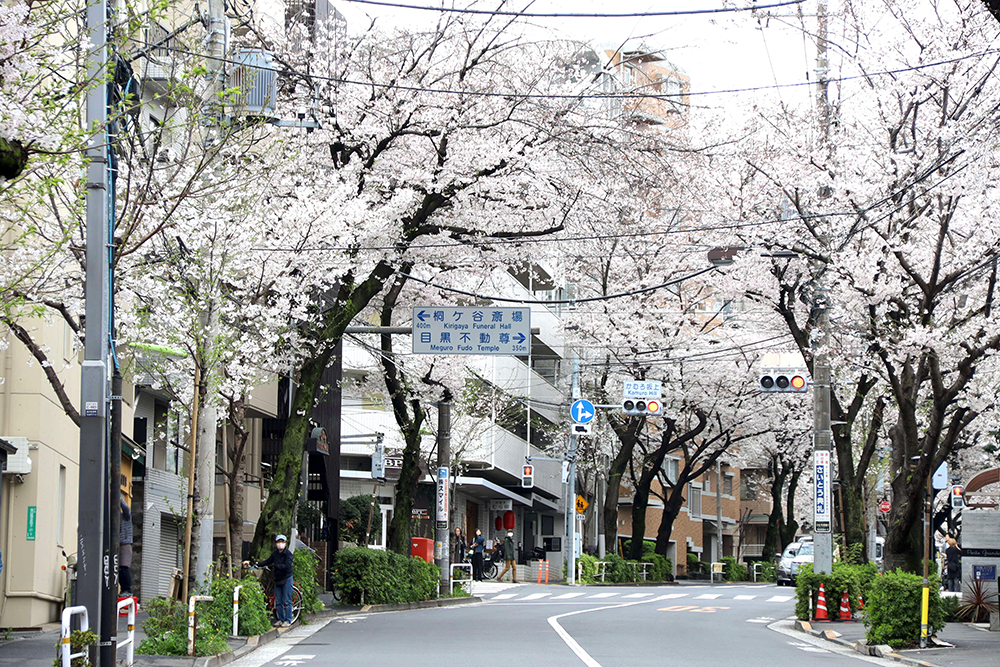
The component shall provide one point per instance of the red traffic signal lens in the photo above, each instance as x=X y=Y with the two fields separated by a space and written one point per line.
x=527 y=471
x=798 y=382
x=652 y=407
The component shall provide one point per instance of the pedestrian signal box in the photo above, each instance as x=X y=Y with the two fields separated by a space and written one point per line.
x=957 y=499
x=528 y=477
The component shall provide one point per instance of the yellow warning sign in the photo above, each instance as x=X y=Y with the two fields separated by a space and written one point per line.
x=581 y=504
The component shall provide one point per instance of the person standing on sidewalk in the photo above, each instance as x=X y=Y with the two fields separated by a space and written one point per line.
x=461 y=546
x=281 y=566
x=478 y=547
x=953 y=561
x=509 y=554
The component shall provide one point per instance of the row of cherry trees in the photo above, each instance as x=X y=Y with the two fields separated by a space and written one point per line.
x=453 y=154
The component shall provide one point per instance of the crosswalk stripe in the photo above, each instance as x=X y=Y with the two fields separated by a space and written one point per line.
x=604 y=595
x=708 y=596
x=744 y=597
x=638 y=595
x=536 y=596
x=674 y=596
x=567 y=596
x=780 y=598
x=504 y=596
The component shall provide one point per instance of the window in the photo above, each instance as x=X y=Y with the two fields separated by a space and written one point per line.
x=548 y=524
x=727 y=485
x=671 y=467
x=748 y=490
x=706 y=485
x=694 y=501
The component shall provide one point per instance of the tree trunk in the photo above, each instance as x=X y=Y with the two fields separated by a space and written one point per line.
x=774 y=539
x=627 y=440
x=237 y=456
x=671 y=510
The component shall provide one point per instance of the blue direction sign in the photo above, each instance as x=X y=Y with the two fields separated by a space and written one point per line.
x=583 y=411
x=476 y=330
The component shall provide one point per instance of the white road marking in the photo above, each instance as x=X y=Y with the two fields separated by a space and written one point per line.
x=674 y=596
x=572 y=643
x=603 y=595
x=708 y=596
x=744 y=597
x=780 y=598
x=281 y=645
x=536 y=596
x=760 y=620
x=504 y=596
x=294 y=660
x=567 y=596
x=638 y=595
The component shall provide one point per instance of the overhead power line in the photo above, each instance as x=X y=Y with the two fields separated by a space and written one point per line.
x=500 y=12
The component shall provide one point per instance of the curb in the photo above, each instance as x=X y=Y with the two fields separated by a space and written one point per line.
x=402 y=606
x=876 y=650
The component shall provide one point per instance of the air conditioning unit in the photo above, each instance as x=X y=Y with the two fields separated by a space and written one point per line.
x=18 y=463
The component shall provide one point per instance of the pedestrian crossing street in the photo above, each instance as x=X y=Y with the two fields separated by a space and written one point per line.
x=524 y=594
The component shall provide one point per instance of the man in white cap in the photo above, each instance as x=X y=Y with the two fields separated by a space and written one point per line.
x=281 y=565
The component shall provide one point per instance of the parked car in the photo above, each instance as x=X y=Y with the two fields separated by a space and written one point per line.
x=803 y=555
x=784 y=569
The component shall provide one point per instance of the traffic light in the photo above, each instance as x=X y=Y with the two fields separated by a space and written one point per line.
x=528 y=477
x=642 y=406
x=788 y=380
x=957 y=500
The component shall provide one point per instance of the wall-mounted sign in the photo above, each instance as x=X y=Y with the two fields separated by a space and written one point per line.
x=501 y=505
x=29 y=534
x=442 y=497
x=317 y=442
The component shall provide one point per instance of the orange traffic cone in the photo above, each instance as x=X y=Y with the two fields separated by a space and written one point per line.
x=845 y=608
x=861 y=602
x=821 y=615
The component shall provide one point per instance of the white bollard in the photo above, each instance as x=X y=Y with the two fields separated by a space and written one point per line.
x=236 y=611
x=191 y=629
x=65 y=647
x=130 y=641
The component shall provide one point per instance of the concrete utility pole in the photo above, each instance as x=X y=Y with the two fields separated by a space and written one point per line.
x=190 y=494
x=442 y=545
x=94 y=374
x=822 y=433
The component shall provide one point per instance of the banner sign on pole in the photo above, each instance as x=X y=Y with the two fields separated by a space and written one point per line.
x=465 y=330
x=442 y=496
x=823 y=517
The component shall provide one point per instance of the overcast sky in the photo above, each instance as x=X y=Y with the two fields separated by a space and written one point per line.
x=719 y=51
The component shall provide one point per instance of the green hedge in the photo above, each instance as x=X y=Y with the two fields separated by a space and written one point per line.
x=854 y=579
x=370 y=576
x=733 y=570
x=662 y=570
x=892 y=611
x=305 y=569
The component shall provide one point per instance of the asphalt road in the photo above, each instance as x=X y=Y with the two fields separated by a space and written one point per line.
x=558 y=626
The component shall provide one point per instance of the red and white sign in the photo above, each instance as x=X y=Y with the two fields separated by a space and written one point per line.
x=884 y=506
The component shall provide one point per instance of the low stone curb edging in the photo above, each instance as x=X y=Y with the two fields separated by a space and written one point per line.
x=401 y=606
x=875 y=650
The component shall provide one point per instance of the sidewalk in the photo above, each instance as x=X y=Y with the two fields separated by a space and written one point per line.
x=973 y=646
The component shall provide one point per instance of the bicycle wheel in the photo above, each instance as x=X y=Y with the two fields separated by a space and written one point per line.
x=296 y=602
x=490 y=570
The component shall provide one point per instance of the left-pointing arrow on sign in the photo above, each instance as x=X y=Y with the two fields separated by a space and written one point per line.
x=422 y=316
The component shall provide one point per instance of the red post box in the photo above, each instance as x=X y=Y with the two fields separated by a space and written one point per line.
x=422 y=547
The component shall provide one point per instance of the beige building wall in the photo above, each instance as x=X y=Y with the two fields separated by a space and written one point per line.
x=32 y=581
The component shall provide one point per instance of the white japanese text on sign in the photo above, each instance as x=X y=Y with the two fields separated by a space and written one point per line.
x=486 y=330
x=442 y=495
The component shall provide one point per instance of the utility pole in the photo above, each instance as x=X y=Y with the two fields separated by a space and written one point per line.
x=442 y=546
x=94 y=374
x=925 y=594
x=571 y=488
x=112 y=529
x=190 y=494
x=822 y=433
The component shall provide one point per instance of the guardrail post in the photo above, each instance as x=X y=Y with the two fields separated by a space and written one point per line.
x=191 y=621
x=65 y=647
x=130 y=641
x=236 y=611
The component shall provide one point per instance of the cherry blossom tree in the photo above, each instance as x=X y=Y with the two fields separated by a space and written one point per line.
x=888 y=216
